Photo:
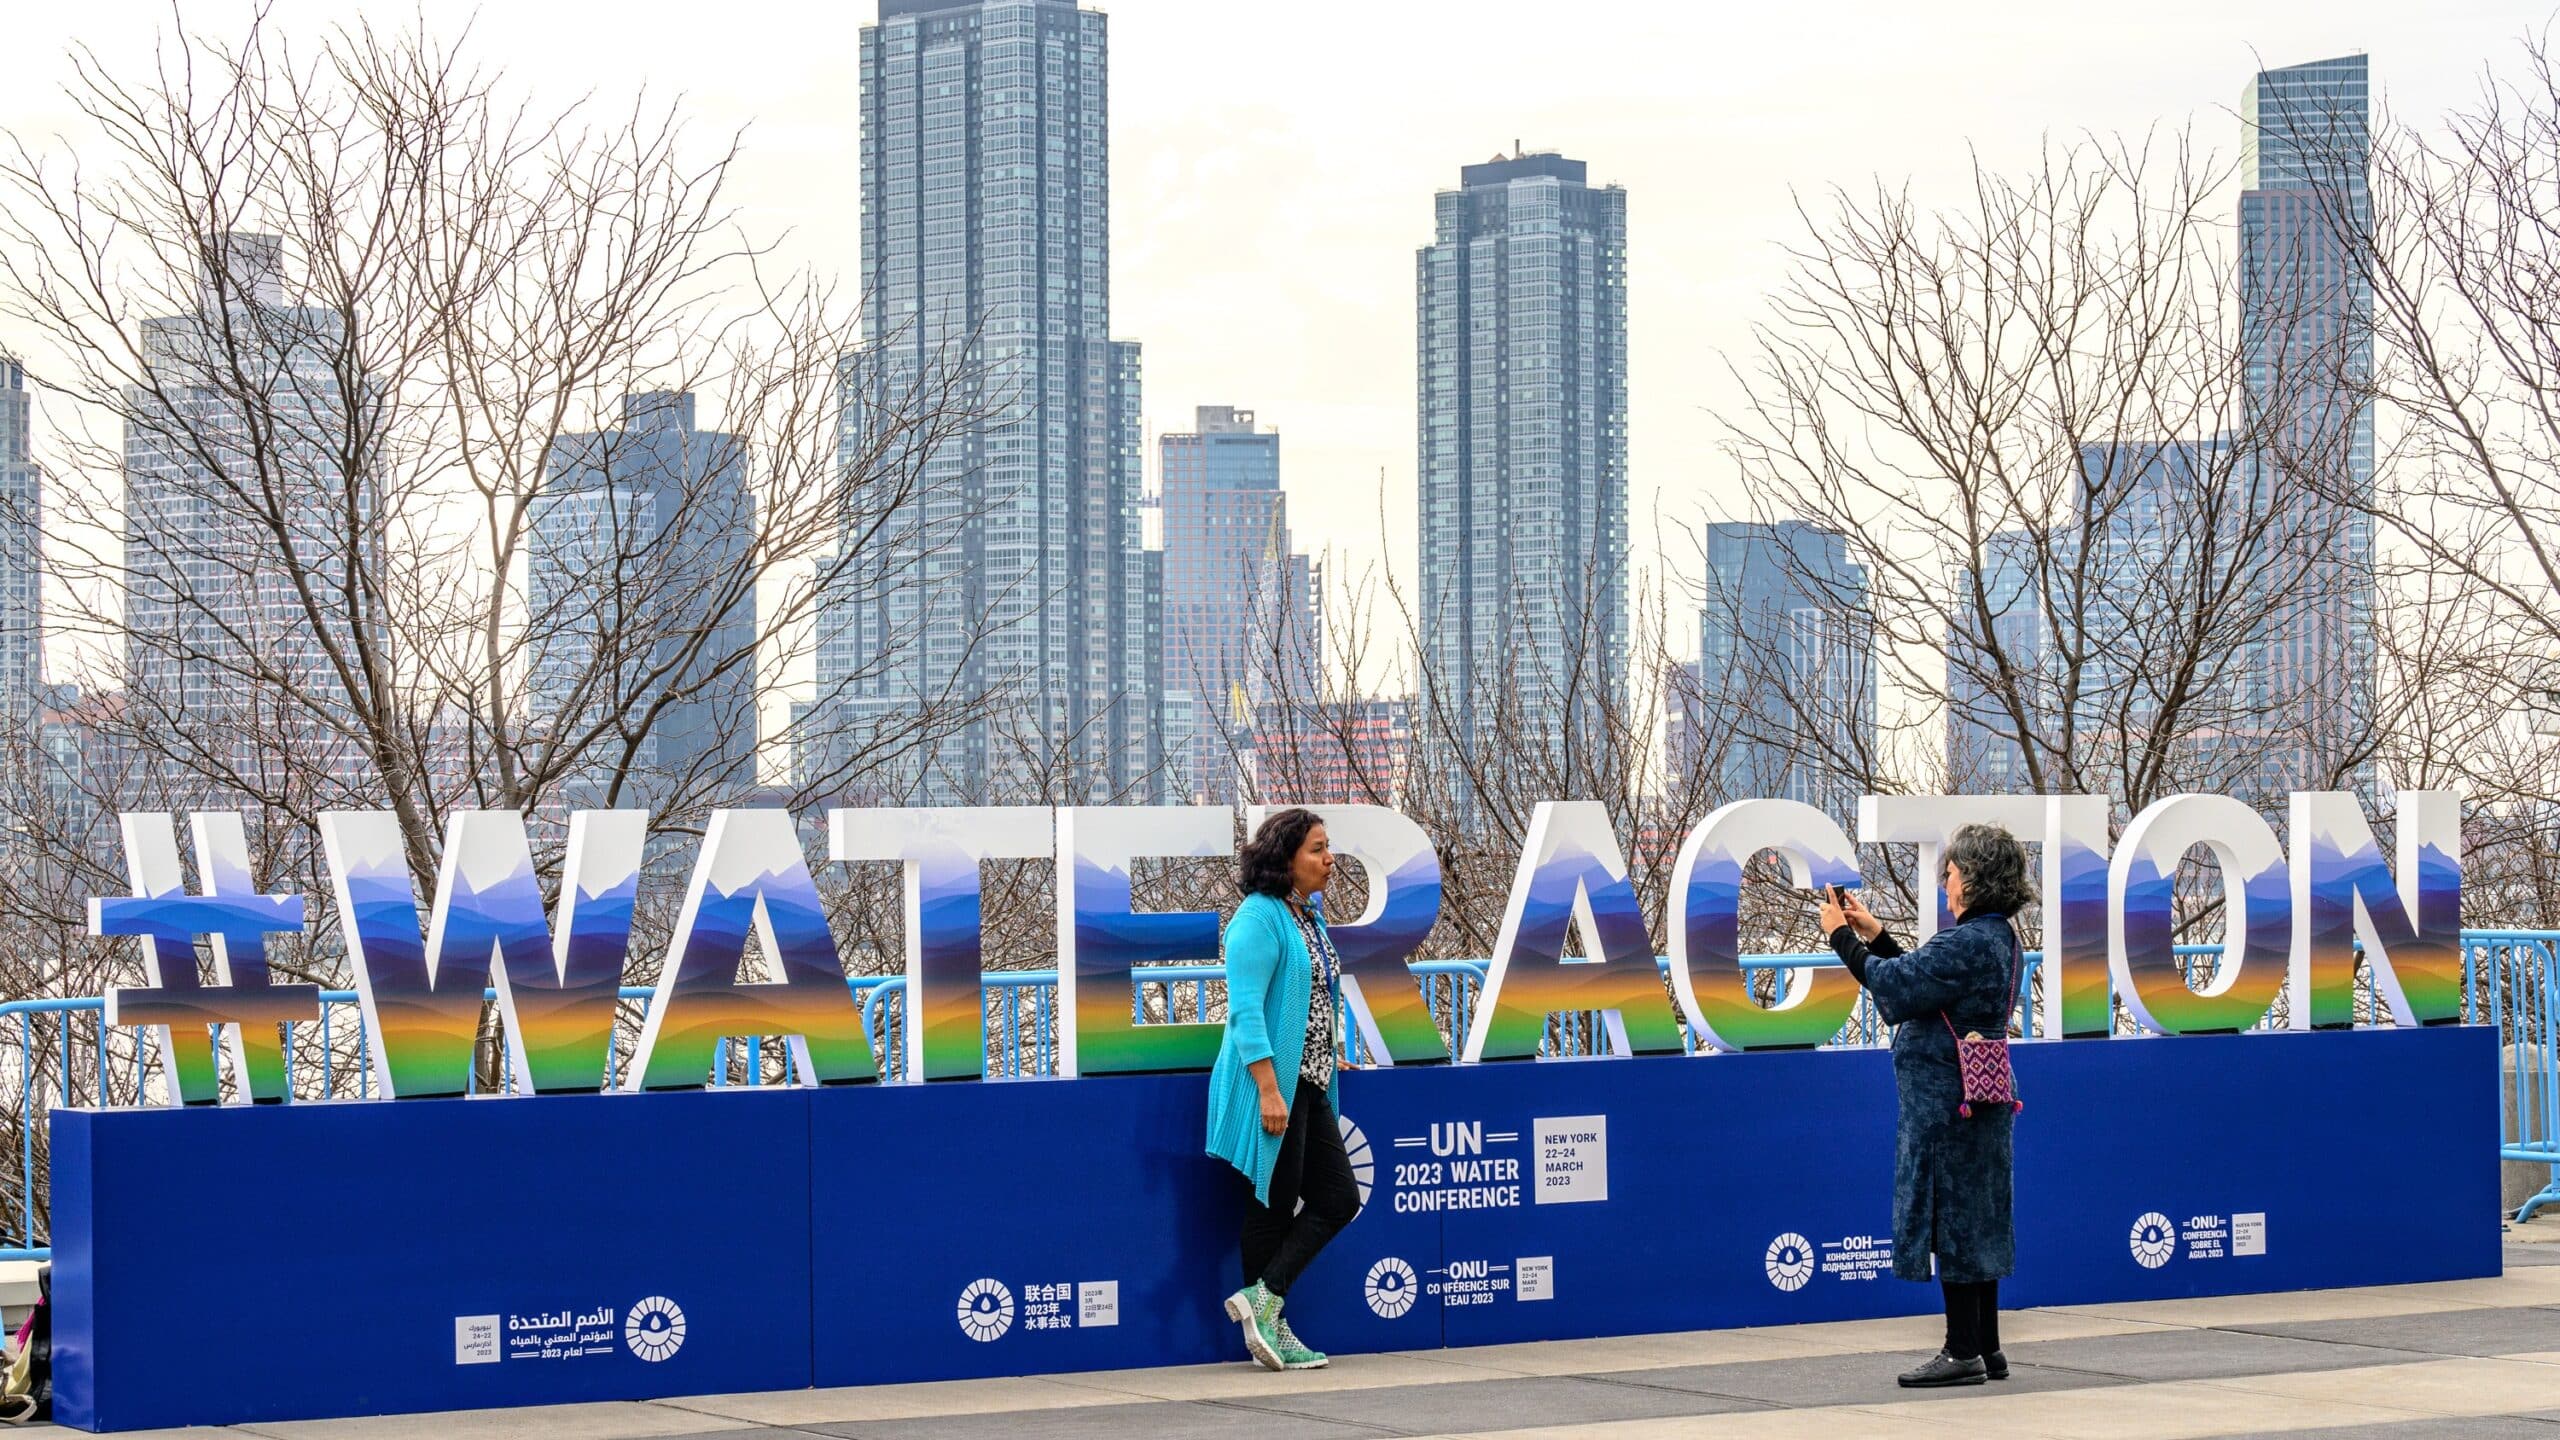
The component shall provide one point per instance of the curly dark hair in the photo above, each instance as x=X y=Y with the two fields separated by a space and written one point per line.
x=1263 y=866
x=1994 y=866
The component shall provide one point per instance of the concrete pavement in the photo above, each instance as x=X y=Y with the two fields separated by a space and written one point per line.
x=2464 y=1358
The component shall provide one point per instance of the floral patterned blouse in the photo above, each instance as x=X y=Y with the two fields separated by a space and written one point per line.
x=1323 y=1047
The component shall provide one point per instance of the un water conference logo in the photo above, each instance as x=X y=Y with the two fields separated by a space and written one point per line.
x=1364 y=1161
x=2154 y=1240
x=1391 y=1288
x=1789 y=1261
x=654 y=1329
x=986 y=1310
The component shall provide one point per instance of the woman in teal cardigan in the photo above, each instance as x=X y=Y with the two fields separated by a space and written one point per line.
x=1276 y=1125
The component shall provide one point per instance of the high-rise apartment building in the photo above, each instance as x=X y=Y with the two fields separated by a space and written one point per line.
x=21 y=563
x=1787 y=655
x=242 y=488
x=640 y=609
x=1997 y=659
x=1336 y=752
x=2307 y=325
x=1240 y=628
x=1522 y=296
x=1015 y=571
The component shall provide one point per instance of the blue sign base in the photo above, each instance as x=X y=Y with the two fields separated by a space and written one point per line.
x=312 y=1261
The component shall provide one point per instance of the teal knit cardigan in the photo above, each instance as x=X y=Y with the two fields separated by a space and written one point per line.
x=1269 y=980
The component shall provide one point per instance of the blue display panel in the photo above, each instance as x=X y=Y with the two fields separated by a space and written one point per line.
x=872 y=1234
x=300 y=1261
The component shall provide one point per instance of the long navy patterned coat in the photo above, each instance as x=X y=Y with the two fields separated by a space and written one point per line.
x=1951 y=1175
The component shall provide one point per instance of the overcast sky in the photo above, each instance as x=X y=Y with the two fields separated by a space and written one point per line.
x=1274 y=163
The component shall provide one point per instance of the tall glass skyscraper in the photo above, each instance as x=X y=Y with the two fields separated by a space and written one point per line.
x=2307 y=325
x=1017 y=572
x=1984 y=756
x=1523 y=449
x=21 y=577
x=1239 y=602
x=236 y=447
x=634 y=592
x=1787 y=656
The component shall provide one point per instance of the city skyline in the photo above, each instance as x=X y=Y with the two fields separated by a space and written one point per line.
x=1328 y=357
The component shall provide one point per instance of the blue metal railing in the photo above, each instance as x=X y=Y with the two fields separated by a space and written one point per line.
x=2511 y=980
x=69 y=1055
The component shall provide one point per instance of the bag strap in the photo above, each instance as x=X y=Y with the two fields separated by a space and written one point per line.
x=2009 y=998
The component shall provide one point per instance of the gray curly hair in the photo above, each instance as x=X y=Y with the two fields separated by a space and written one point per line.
x=1994 y=866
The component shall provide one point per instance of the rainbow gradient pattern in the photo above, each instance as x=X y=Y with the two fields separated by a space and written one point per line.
x=941 y=848
x=1706 y=936
x=751 y=874
x=2258 y=910
x=2079 y=996
x=1385 y=999
x=556 y=993
x=2412 y=930
x=2072 y=884
x=1100 y=939
x=424 y=1021
x=1572 y=876
x=243 y=1006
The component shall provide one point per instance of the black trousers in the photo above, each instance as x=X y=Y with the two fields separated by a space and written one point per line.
x=1281 y=1237
x=1973 y=1318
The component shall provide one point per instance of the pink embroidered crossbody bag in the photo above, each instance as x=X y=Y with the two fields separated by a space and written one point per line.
x=1982 y=1062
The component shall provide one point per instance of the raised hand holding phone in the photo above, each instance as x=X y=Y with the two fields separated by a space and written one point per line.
x=1856 y=913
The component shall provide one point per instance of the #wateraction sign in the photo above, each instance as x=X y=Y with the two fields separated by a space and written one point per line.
x=2292 y=917
x=831 y=1232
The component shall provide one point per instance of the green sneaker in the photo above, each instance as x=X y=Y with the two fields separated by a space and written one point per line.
x=1258 y=1311
x=1295 y=1354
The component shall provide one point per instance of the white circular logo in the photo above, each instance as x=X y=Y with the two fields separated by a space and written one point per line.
x=1789 y=1261
x=654 y=1329
x=986 y=1310
x=2154 y=1241
x=1390 y=1288
x=1364 y=1161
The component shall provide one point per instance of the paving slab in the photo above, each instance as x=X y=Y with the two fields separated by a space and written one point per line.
x=2211 y=1310
x=2443 y=1427
x=2531 y=1285
x=1638 y=1352
x=2140 y=1412
x=1496 y=1404
x=892 y=1402
x=609 y=1420
x=2540 y=1253
x=2203 y=1355
x=2458 y=1386
x=2169 y=1410
x=1855 y=1423
x=1243 y=1379
x=1158 y=1420
x=1847 y=1380
x=2450 y=1332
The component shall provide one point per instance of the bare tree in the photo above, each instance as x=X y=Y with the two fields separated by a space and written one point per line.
x=2035 y=425
x=2455 y=258
x=374 y=478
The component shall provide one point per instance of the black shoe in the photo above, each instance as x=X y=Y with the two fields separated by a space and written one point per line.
x=1995 y=1366
x=1942 y=1369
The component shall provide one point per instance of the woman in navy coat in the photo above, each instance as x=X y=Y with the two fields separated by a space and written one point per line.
x=1951 y=1172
